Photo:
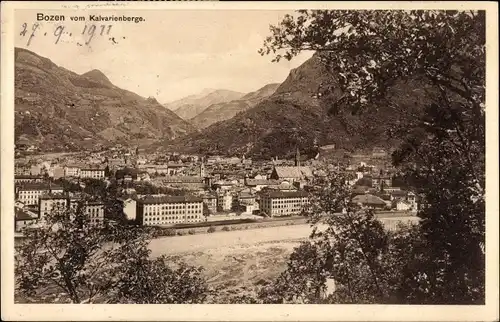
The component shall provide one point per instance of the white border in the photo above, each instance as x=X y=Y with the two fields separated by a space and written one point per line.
x=54 y=312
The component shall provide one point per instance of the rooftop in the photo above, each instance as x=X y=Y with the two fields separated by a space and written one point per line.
x=181 y=179
x=285 y=194
x=38 y=186
x=257 y=182
x=22 y=215
x=293 y=172
x=368 y=200
x=26 y=176
x=169 y=199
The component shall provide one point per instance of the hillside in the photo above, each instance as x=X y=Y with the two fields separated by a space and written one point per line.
x=224 y=111
x=190 y=106
x=57 y=109
x=295 y=116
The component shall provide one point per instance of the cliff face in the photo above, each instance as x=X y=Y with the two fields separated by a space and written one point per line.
x=57 y=109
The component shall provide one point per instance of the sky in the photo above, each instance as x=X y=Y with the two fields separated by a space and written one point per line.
x=169 y=55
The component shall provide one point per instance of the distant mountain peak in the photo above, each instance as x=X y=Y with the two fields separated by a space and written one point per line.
x=97 y=75
x=192 y=105
x=152 y=99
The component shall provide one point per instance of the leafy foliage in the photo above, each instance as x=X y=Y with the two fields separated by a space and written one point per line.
x=348 y=245
x=442 y=157
x=99 y=263
x=370 y=49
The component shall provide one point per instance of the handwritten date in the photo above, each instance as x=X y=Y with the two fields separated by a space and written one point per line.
x=89 y=32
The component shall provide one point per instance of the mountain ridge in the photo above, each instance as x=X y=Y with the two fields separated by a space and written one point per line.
x=58 y=109
x=192 y=105
x=297 y=114
x=224 y=111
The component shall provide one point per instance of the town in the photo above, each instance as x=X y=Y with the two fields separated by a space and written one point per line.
x=171 y=189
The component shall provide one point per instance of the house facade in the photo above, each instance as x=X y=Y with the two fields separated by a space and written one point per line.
x=29 y=193
x=283 y=203
x=168 y=210
x=92 y=173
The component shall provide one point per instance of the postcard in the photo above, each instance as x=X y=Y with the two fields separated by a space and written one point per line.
x=249 y=161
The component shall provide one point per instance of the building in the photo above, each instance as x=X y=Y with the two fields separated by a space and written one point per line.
x=283 y=203
x=154 y=169
x=36 y=169
x=28 y=193
x=129 y=208
x=381 y=182
x=92 y=173
x=168 y=210
x=22 y=170
x=202 y=170
x=49 y=202
x=210 y=200
x=183 y=182
x=95 y=211
x=259 y=184
x=291 y=174
x=369 y=201
x=246 y=202
x=175 y=168
x=402 y=205
x=57 y=172
x=28 y=178
x=224 y=201
x=72 y=171
x=23 y=218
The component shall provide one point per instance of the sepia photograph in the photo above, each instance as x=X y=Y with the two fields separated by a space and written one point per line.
x=226 y=154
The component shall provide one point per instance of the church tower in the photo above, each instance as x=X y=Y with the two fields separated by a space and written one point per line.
x=297 y=158
x=202 y=168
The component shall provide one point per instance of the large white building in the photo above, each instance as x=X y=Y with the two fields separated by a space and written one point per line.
x=52 y=202
x=72 y=171
x=29 y=193
x=224 y=201
x=169 y=210
x=92 y=173
x=283 y=203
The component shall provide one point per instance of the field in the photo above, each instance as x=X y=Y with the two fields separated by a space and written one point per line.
x=236 y=262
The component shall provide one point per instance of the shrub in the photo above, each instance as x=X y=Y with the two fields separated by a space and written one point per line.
x=225 y=228
x=180 y=233
x=169 y=232
x=191 y=231
x=211 y=229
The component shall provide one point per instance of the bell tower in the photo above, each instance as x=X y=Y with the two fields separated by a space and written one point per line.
x=202 y=168
x=297 y=157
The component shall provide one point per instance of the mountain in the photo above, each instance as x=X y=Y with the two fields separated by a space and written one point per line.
x=296 y=116
x=190 y=106
x=224 y=111
x=57 y=109
x=188 y=99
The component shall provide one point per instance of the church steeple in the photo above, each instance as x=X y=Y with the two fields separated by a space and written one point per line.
x=202 y=168
x=297 y=158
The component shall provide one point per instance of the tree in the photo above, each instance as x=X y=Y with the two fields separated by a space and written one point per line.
x=442 y=155
x=92 y=263
x=348 y=245
x=206 y=211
